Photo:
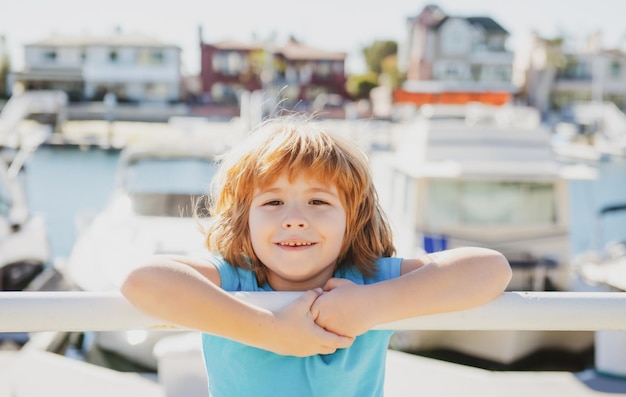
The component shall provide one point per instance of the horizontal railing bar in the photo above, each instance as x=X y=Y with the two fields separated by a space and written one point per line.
x=74 y=311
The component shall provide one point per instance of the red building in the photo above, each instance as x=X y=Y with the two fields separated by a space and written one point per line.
x=293 y=74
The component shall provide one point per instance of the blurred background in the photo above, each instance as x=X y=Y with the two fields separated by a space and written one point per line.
x=490 y=123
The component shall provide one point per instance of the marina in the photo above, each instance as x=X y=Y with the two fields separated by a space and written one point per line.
x=108 y=139
x=70 y=184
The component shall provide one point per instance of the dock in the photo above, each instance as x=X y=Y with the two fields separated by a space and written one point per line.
x=35 y=373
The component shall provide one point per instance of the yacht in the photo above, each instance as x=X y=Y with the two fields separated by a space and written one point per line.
x=152 y=211
x=478 y=175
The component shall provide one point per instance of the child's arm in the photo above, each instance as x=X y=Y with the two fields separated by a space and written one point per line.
x=186 y=292
x=455 y=279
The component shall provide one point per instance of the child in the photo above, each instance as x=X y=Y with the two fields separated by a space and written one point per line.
x=295 y=209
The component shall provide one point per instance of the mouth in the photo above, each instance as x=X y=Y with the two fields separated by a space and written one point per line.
x=295 y=244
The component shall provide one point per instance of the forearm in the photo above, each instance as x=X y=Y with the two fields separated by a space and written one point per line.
x=452 y=280
x=179 y=294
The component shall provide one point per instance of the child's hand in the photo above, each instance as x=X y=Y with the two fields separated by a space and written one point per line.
x=342 y=309
x=298 y=335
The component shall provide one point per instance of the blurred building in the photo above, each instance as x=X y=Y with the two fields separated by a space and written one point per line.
x=293 y=73
x=454 y=60
x=134 y=67
x=554 y=74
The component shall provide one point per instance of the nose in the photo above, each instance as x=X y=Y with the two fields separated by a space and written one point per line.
x=295 y=218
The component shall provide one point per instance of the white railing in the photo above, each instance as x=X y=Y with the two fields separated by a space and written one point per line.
x=109 y=311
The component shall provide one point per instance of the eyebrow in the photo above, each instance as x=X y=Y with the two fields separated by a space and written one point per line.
x=314 y=189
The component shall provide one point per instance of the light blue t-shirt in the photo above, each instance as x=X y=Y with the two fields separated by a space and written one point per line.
x=238 y=370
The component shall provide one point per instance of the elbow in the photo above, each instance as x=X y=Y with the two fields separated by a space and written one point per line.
x=132 y=285
x=143 y=279
x=141 y=285
x=500 y=270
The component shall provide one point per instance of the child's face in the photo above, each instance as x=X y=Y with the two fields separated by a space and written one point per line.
x=297 y=230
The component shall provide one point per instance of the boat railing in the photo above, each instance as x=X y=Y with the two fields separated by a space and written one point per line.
x=36 y=311
x=77 y=311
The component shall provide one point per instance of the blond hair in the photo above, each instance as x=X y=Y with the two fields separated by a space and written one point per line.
x=298 y=148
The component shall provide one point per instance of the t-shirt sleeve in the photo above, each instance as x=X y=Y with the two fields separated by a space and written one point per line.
x=388 y=268
x=232 y=278
x=228 y=274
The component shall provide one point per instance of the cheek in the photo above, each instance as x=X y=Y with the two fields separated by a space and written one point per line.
x=253 y=225
x=257 y=227
x=340 y=227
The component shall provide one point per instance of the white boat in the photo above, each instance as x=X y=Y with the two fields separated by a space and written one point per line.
x=24 y=245
x=603 y=268
x=591 y=131
x=151 y=212
x=484 y=176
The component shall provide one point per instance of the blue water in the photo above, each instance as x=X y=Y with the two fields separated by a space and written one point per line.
x=66 y=183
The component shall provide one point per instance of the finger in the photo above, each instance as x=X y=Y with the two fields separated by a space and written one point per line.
x=335 y=340
x=334 y=283
x=345 y=341
x=341 y=342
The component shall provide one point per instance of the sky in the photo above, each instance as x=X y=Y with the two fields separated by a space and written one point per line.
x=336 y=25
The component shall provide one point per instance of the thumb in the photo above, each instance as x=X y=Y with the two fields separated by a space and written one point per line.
x=308 y=298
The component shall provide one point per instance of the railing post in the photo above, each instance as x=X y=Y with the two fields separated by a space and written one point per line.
x=610 y=352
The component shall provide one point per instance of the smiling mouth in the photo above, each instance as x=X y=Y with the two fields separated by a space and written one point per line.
x=296 y=244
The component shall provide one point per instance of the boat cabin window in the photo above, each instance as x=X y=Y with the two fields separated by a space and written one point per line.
x=492 y=203
x=167 y=187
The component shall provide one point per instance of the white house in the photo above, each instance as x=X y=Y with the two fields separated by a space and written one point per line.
x=135 y=67
x=450 y=59
x=554 y=74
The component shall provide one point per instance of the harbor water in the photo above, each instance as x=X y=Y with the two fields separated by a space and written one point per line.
x=68 y=185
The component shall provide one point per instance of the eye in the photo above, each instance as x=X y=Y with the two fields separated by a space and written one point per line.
x=318 y=202
x=273 y=202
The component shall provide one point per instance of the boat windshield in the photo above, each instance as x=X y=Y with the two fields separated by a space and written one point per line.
x=167 y=187
x=492 y=203
x=5 y=200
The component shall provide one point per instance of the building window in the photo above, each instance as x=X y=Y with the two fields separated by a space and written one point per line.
x=576 y=71
x=450 y=71
x=324 y=69
x=113 y=56
x=476 y=72
x=616 y=69
x=226 y=93
x=495 y=74
x=156 y=91
x=229 y=63
x=157 y=57
x=455 y=38
x=50 y=56
x=338 y=68
x=150 y=57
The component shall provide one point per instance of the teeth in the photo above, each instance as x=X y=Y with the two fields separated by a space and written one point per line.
x=294 y=244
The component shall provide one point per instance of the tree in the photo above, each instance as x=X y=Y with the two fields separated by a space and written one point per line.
x=359 y=86
x=381 y=60
x=377 y=52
